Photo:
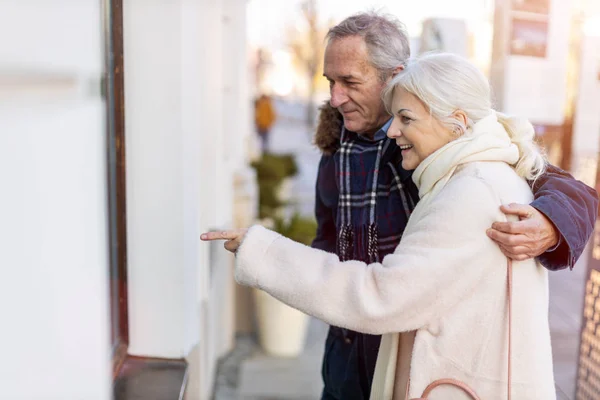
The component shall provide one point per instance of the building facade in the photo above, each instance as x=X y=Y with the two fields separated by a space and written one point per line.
x=125 y=127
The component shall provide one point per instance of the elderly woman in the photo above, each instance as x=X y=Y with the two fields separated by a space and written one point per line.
x=441 y=298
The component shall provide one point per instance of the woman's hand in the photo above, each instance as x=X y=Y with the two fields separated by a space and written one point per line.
x=233 y=238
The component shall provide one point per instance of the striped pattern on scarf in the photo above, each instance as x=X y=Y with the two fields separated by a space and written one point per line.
x=375 y=200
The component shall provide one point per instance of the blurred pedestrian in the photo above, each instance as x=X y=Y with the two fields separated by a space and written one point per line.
x=264 y=117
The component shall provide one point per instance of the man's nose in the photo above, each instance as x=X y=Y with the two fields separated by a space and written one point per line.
x=338 y=97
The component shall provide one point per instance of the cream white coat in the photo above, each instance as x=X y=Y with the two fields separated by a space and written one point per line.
x=440 y=299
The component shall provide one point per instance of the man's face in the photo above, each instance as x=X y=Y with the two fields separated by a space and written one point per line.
x=355 y=86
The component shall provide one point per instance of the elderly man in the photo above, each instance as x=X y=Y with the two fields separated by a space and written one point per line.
x=364 y=198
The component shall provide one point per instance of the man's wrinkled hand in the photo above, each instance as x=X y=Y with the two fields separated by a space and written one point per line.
x=233 y=238
x=527 y=238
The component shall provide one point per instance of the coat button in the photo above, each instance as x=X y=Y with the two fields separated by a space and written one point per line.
x=347 y=340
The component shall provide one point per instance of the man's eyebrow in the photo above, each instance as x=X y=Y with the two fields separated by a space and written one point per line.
x=343 y=78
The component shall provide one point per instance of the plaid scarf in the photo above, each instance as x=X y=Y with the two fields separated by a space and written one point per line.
x=376 y=197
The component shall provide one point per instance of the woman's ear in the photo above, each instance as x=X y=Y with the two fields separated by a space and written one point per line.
x=461 y=117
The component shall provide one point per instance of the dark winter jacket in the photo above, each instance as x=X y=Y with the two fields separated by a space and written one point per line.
x=571 y=205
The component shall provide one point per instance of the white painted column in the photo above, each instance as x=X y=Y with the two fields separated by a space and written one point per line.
x=217 y=137
x=159 y=279
x=186 y=118
x=237 y=102
x=54 y=253
x=180 y=181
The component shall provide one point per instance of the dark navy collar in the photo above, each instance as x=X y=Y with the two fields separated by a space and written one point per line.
x=382 y=132
x=379 y=135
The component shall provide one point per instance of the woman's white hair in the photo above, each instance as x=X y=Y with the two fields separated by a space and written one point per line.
x=446 y=83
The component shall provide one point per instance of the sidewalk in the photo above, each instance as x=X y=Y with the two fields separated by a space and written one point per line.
x=567 y=290
x=261 y=377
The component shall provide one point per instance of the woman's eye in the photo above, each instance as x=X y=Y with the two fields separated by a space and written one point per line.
x=405 y=119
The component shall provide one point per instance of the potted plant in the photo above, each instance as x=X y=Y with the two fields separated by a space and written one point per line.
x=281 y=329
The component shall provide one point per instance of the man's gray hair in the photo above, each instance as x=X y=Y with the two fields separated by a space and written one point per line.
x=385 y=36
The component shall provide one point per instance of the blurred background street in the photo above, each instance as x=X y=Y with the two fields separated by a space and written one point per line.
x=127 y=128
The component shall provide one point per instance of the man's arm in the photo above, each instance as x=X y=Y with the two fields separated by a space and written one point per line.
x=326 y=230
x=555 y=227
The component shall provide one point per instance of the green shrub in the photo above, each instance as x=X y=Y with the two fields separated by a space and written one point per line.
x=298 y=228
x=271 y=170
x=275 y=167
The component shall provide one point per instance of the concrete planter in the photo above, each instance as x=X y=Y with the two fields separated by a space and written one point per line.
x=281 y=329
x=285 y=194
x=285 y=190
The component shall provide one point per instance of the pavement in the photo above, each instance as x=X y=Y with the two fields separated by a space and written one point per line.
x=249 y=374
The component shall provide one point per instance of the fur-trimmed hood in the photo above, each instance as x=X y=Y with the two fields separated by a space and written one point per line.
x=327 y=136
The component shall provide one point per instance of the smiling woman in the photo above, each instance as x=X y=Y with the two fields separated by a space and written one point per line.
x=418 y=99
x=416 y=132
x=467 y=159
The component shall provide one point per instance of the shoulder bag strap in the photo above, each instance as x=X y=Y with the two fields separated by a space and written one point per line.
x=509 y=288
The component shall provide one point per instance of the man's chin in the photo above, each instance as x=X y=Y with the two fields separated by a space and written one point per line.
x=353 y=126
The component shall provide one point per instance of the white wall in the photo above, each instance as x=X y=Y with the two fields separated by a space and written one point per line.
x=54 y=290
x=445 y=34
x=536 y=87
x=158 y=279
x=187 y=114
x=54 y=294
x=236 y=98
x=586 y=126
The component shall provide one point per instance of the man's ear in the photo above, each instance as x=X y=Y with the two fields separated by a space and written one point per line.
x=397 y=70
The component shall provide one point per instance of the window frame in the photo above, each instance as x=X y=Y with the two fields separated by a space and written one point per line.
x=133 y=377
x=113 y=88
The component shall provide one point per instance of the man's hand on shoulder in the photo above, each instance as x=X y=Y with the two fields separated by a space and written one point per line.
x=527 y=238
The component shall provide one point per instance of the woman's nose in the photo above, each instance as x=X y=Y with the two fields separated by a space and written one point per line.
x=394 y=129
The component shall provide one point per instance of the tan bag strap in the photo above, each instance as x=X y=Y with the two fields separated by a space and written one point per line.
x=509 y=288
x=463 y=385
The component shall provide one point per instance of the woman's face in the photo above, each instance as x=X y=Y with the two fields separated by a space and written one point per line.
x=416 y=132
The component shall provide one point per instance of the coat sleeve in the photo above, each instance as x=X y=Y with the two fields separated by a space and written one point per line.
x=572 y=207
x=325 y=238
x=441 y=257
